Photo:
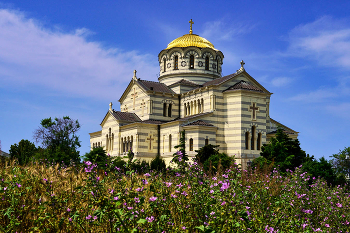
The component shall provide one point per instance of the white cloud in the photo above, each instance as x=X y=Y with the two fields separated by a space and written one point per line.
x=341 y=110
x=281 y=81
x=34 y=55
x=221 y=30
x=315 y=96
x=325 y=40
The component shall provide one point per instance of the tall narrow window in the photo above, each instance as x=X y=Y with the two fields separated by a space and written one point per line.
x=191 y=144
x=247 y=140
x=206 y=63
x=206 y=142
x=164 y=65
x=170 y=143
x=131 y=143
x=217 y=66
x=191 y=62
x=253 y=138
x=176 y=63
x=169 y=110
x=258 y=142
x=164 y=109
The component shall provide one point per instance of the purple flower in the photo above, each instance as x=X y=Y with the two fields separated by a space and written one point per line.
x=223 y=203
x=5 y=188
x=168 y=184
x=173 y=196
x=224 y=186
x=211 y=191
x=150 y=219
x=339 y=205
x=19 y=185
x=45 y=179
x=184 y=193
x=184 y=228
x=212 y=213
x=68 y=210
x=88 y=163
x=326 y=225
x=153 y=198
x=70 y=219
x=88 y=217
x=116 y=198
x=144 y=182
x=137 y=200
x=147 y=175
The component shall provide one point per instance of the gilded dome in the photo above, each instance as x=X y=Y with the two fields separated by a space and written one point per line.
x=189 y=40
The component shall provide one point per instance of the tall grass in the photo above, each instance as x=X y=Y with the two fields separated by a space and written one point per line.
x=42 y=198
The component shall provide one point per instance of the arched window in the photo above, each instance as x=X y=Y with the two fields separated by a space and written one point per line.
x=253 y=138
x=202 y=105
x=176 y=63
x=191 y=62
x=185 y=110
x=258 y=142
x=131 y=142
x=206 y=63
x=164 y=109
x=206 y=142
x=170 y=142
x=164 y=65
x=247 y=140
x=191 y=144
x=169 y=110
x=217 y=66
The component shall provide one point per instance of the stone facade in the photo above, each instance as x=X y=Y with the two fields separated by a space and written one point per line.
x=191 y=95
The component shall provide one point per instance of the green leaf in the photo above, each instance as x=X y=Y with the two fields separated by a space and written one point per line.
x=141 y=221
x=202 y=228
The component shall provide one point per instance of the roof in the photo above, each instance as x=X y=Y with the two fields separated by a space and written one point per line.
x=190 y=40
x=220 y=80
x=284 y=130
x=125 y=116
x=200 y=123
x=185 y=83
x=155 y=86
x=243 y=85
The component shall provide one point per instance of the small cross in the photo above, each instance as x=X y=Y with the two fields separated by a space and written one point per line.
x=242 y=64
x=134 y=77
x=150 y=141
x=110 y=106
x=134 y=96
x=253 y=109
x=191 y=22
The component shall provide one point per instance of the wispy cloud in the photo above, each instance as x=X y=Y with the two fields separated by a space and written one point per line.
x=67 y=62
x=326 y=40
x=222 y=30
x=281 y=81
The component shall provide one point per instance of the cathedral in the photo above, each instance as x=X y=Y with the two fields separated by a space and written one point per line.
x=191 y=94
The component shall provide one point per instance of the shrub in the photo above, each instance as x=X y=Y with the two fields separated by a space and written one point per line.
x=205 y=152
x=158 y=164
x=218 y=159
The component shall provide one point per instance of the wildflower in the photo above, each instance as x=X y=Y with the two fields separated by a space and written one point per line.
x=211 y=191
x=70 y=219
x=88 y=163
x=18 y=185
x=95 y=217
x=339 y=205
x=173 y=196
x=214 y=178
x=139 y=189
x=304 y=225
x=184 y=193
x=92 y=193
x=88 y=217
x=179 y=185
x=98 y=178
x=137 y=200
x=147 y=175
x=130 y=208
x=224 y=186
x=183 y=228
x=144 y=182
x=111 y=191
x=153 y=198
x=168 y=184
x=68 y=210
x=150 y=219
x=223 y=203
x=326 y=225
x=45 y=179
x=212 y=213
x=5 y=188
x=116 y=198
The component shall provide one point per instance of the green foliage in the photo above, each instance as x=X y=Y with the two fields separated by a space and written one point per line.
x=180 y=157
x=323 y=169
x=59 y=139
x=98 y=156
x=341 y=162
x=130 y=155
x=205 y=152
x=284 y=152
x=217 y=159
x=158 y=164
x=24 y=151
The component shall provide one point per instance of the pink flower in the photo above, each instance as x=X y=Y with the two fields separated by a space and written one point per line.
x=168 y=184
x=150 y=219
x=326 y=225
x=339 y=205
x=19 y=185
x=70 y=219
x=95 y=217
x=147 y=175
x=212 y=213
x=153 y=198
x=68 y=210
x=88 y=217
x=116 y=198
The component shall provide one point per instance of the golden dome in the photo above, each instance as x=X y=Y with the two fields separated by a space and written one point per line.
x=189 y=40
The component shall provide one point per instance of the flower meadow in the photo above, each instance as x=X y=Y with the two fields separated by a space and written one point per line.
x=46 y=198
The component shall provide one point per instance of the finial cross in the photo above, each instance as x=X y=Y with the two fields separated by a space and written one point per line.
x=191 y=22
x=242 y=63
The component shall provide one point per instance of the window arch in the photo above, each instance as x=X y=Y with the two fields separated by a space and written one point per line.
x=164 y=65
x=206 y=63
x=247 y=140
x=217 y=66
x=191 y=62
x=253 y=138
x=191 y=144
x=258 y=141
x=206 y=142
x=176 y=63
x=170 y=138
x=169 y=110
x=164 y=109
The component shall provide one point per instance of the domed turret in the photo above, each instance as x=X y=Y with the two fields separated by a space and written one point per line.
x=190 y=57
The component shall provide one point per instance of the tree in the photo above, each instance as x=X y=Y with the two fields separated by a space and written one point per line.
x=180 y=157
x=284 y=152
x=323 y=169
x=205 y=152
x=99 y=156
x=24 y=151
x=59 y=139
x=341 y=162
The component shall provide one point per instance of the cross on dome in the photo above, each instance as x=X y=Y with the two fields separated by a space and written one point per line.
x=242 y=63
x=191 y=22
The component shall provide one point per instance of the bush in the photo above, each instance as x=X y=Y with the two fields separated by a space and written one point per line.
x=218 y=159
x=158 y=164
x=205 y=152
x=98 y=156
x=24 y=151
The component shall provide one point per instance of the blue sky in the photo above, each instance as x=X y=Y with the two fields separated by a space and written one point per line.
x=72 y=58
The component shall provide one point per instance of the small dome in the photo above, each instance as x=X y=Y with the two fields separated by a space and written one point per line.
x=189 y=40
